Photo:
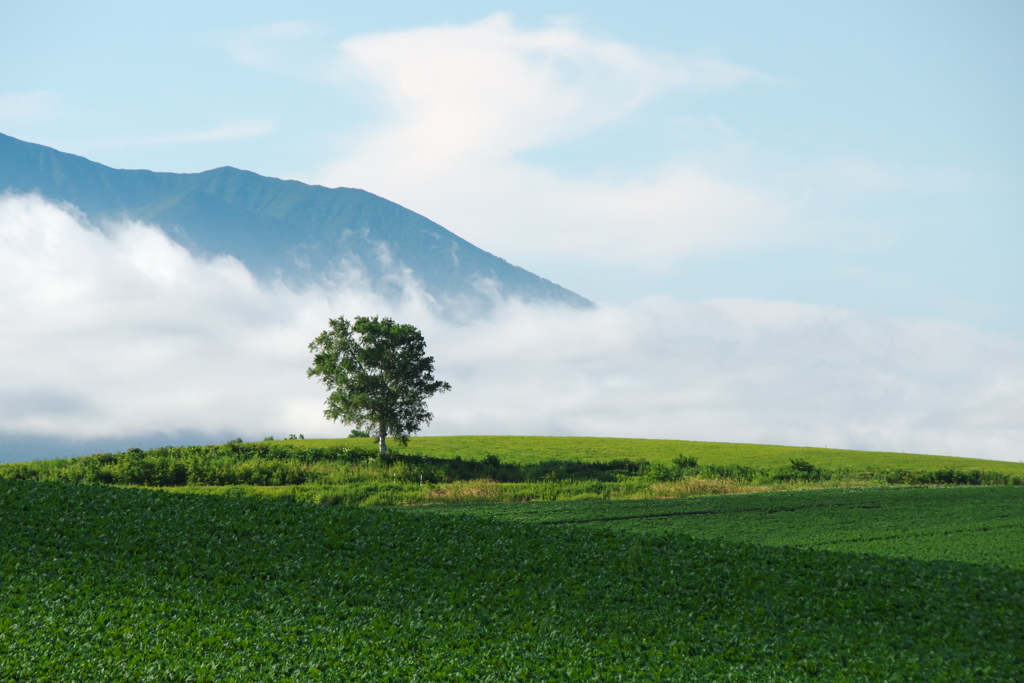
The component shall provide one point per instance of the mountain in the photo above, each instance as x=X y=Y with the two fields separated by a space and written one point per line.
x=282 y=228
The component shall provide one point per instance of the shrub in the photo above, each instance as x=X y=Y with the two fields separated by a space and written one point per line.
x=684 y=462
x=659 y=472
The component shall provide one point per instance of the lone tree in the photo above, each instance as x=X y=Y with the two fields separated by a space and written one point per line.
x=378 y=376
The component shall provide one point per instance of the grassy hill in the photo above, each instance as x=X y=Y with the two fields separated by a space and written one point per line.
x=535 y=449
x=109 y=584
x=495 y=469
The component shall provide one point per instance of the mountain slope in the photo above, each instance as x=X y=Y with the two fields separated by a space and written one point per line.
x=282 y=228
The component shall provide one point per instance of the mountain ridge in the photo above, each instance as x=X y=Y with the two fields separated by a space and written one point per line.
x=282 y=228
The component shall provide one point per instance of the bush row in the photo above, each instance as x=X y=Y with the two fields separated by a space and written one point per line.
x=279 y=464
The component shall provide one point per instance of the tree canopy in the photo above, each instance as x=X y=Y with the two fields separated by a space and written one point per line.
x=377 y=375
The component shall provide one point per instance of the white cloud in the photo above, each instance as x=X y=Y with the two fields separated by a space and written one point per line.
x=32 y=105
x=489 y=88
x=126 y=327
x=120 y=331
x=234 y=130
x=286 y=47
x=743 y=371
x=464 y=102
x=252 y=46
x=860 y=176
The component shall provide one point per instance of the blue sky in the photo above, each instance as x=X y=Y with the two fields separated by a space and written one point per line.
x=866 y=159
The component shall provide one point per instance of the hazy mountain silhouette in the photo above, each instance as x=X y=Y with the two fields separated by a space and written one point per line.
x=282 y=228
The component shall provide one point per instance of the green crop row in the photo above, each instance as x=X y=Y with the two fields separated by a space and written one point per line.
x=108 y=584
x=967 y=524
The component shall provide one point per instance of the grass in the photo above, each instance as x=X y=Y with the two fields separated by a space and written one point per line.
x=536 y=449
x=983 y=525
x=483 y=491
x=108 y=584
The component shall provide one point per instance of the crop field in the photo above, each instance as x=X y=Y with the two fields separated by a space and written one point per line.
x=103 y=583
x=984 y=525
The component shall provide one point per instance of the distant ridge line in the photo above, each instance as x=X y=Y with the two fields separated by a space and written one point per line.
x=283 y=228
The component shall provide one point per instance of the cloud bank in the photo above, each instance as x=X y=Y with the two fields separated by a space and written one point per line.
x=115 y=332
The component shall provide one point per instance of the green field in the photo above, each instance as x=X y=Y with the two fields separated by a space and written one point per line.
x=534 y=449
x=103 y=583
x=635 y=570
x=984 y=525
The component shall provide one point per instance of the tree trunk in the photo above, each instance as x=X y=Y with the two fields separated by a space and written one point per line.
x=382 y=438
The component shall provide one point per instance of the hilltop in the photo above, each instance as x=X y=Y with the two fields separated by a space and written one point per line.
x=536 y=449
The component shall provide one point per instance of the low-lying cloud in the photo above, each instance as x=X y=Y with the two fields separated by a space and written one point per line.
x=116 y=332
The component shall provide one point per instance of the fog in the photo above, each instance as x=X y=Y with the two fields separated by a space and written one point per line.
x=115 y=335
